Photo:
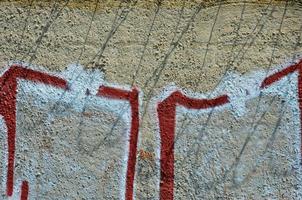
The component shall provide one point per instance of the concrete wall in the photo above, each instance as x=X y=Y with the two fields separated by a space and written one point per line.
x=150 y=99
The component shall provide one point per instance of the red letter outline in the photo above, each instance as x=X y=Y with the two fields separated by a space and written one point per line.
x=277 y=76
x=132 y=97
x=8 y=95
x=166 y=111
x=166 y=114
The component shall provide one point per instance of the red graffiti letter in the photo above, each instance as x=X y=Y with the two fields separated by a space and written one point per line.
x=132 y=97
x=277 y=76
x=8 y=95
x=166 y=111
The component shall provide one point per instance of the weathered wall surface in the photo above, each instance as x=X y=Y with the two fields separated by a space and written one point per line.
x=150 y=99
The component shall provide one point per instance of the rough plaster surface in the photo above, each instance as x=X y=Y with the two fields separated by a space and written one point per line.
x=199 y=47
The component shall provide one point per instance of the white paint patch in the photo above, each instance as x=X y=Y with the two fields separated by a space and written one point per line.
x=240 y=89
x=79 y=80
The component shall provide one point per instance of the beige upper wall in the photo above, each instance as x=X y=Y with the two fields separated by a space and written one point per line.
x=55 y=35
x=103 y=4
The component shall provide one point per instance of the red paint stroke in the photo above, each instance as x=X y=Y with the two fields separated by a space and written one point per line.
x=24 y=190
x=279 y=75
x=8 y=95
x=132 y=97
x=166 y=111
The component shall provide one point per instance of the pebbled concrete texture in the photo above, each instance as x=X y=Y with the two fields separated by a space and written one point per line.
x=198 y=46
